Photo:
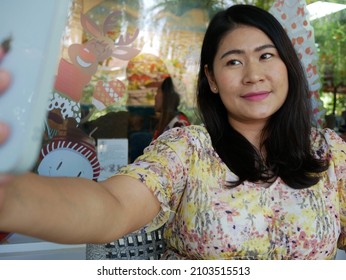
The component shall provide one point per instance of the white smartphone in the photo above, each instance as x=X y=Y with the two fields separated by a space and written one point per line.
x=35 y=29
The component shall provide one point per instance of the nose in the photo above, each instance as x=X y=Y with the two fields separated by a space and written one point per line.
x=253 y=73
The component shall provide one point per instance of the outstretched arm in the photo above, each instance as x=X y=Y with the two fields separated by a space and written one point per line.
x=75 y=210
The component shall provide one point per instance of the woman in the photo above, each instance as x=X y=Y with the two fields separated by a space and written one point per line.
x=255 y=182
x=167 y=101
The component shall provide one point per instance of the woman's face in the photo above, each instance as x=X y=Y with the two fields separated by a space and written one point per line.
x=249 y=76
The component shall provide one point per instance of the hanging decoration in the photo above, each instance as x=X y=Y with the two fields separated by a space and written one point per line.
x=294 y=17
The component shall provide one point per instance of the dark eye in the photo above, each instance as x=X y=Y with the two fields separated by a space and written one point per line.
x=233 y=62
x=266 y=56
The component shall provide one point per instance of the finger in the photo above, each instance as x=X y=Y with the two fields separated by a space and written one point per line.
x=5 y=80
x=5 y=178
x=4 y=132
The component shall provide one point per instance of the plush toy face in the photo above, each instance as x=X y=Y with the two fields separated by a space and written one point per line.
x=67 y=163
x=64 y=158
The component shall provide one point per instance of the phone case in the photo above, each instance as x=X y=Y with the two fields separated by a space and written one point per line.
x=35 y=29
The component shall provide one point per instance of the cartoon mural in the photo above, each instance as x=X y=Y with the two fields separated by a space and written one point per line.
x=84 y=58
x=69 y=151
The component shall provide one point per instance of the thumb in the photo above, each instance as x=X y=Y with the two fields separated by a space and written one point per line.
x=5 y=80
x=4 y=132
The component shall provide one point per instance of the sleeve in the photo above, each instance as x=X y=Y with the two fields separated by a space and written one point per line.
x=163 y=169
x=338 y=156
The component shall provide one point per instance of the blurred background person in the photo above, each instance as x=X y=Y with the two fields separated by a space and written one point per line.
x=167 y=100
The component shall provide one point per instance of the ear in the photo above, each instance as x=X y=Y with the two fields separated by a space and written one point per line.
x=211 y=79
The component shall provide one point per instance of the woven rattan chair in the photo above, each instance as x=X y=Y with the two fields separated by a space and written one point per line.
x=134 y=246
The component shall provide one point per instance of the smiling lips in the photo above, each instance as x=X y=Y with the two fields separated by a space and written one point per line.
x=85 y=58
x=256 y=96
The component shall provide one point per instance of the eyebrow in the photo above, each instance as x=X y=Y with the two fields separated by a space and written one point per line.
x=258 y=49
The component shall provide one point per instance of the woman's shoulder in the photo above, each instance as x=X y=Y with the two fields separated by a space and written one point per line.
x=192 y=134
x=196 y=129
x=193 y=130
x=325 y=134
x=326 y=140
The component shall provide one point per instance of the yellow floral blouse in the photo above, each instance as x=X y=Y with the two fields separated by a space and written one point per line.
x=206 y=220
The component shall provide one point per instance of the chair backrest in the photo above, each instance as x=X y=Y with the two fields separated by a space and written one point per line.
x=134 y=246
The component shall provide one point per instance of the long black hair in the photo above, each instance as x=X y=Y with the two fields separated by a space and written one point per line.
x=170 y=103
x=286 y=136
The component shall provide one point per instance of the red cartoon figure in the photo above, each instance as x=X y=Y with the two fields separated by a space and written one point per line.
x=75 y=74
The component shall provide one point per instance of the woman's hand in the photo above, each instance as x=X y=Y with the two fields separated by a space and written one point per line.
x=5 y=80
x=4 y=132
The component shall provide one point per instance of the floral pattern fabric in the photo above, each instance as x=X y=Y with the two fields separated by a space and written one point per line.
x=204 y=219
